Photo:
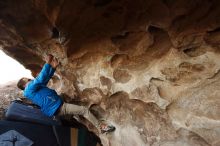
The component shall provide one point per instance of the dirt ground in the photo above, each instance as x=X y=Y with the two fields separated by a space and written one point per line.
x=8 y=93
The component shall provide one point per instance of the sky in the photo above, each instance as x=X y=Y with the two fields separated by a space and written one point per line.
x=11 y=70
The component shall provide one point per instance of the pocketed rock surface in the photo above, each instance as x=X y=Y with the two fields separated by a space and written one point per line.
x=151 y=67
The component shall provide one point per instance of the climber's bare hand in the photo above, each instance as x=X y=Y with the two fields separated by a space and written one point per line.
x=48 y=58
x=54 y=62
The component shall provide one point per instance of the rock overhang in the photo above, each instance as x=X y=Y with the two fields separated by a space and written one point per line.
x=152 y=66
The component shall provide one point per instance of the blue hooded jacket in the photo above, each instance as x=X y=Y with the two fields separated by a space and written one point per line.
x=38 y=92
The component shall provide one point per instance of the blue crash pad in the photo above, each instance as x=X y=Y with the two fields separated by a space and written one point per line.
x=22 y=112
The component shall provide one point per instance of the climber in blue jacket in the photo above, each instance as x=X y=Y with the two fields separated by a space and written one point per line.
x=50 y=102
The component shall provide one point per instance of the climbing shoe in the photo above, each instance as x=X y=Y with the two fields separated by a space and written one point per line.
x=106 y=128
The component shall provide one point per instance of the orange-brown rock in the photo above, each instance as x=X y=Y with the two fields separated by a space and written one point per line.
x=152 y=66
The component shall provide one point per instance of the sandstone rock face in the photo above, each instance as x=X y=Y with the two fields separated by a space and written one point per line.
x=151 y=66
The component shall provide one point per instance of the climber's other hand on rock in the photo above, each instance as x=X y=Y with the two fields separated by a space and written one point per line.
x=54 y=62
x=48 y=58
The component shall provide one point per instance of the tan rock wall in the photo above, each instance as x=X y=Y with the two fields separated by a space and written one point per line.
x=152 y=66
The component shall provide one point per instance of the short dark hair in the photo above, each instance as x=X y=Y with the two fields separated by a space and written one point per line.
x=21 y=84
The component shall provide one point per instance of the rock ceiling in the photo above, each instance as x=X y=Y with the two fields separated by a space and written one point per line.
x=152 y=66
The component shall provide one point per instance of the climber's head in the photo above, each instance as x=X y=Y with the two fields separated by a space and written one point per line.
x=22 y=83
